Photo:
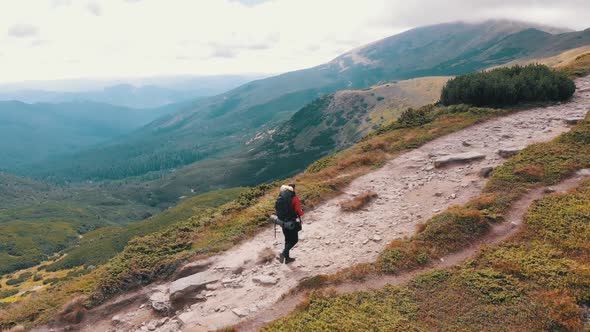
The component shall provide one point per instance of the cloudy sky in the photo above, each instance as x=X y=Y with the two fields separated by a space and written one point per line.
x=55 y=39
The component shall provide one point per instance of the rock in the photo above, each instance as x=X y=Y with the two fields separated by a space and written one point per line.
x=549 y=190
x=152 y=325
x=183 y=286
x=509 y=152
x=458 y=158
x=376 y=238
x=160 y=302
x=240 y=312
x=438 y=194
x=211 y=287
x=453 y=196
x=583 y=172
x=265 y=280
x=116 y=320
x=465 y=143
x=485 y=172
x=572 y=121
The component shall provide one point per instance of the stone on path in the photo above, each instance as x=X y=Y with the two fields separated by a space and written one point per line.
x=485 y=172
x=509 y=152
x=183 y=286
x=240 y=312
x=458 y=158
x=572 y=121
x=265 y=280
x=160 y=302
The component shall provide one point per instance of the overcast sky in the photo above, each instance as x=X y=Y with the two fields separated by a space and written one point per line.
x=54 y=39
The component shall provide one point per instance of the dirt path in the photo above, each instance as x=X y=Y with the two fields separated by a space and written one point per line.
x=411 y=190
x=498 y=233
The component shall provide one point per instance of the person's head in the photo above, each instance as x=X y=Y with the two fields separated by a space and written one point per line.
x=290 y=187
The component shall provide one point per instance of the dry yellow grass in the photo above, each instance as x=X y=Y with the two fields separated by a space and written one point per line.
x=556 y=61
x=359 y=201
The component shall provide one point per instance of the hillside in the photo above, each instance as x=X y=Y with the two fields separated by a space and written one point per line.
x=328 y=124
x=34 y=132
x=401 y=162
x=226 y=122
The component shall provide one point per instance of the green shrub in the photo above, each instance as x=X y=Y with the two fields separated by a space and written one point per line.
x=20 y=279
x=8 y=293
x=508 y=86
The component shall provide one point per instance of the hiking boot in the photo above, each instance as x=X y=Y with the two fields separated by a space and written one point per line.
x=289 y=260
x=281 y=258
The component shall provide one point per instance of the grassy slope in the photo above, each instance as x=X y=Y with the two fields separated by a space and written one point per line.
x=97 y=246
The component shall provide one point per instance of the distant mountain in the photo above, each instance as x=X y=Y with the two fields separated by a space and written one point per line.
x=33 y=132
x=225 y=123
x=327 y=124
x=134 y=93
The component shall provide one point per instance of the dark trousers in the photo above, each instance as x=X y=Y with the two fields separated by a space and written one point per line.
x=291 y=239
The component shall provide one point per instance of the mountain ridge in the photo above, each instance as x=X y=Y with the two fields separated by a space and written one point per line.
x=224 y=123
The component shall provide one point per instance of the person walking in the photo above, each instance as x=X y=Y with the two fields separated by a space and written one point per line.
x=288 y=210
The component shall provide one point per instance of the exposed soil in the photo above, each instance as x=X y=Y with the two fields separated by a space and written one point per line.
x=410 y=191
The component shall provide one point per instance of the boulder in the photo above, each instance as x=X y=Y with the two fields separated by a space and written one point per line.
x=265 y=280
x=485 y=172
x=240 y=312
x=458 y=158
x=509 y=152
x=160 y=302
x=572 y=121
x=116 y=320
x=183 y=286
x=583 y=172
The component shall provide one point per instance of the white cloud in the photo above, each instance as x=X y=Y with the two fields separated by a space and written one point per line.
x=22 y=31
x=94 y=8
x=116 y=38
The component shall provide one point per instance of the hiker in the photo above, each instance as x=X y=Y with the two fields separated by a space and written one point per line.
x=288 y=209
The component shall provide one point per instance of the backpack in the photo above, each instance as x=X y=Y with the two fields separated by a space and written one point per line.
x=284 y=207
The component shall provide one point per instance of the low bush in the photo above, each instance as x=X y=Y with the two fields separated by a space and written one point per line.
x=20 y=279
x=508 y=86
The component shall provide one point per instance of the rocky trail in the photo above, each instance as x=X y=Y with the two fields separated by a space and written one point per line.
x=497 y=234
x=234 y=287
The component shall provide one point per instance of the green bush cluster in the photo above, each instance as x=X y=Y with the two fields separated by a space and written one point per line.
x=20 y=279
x=508 y=86
x=8 y=293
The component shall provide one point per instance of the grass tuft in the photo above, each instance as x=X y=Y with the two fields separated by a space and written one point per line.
x=358 y=202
